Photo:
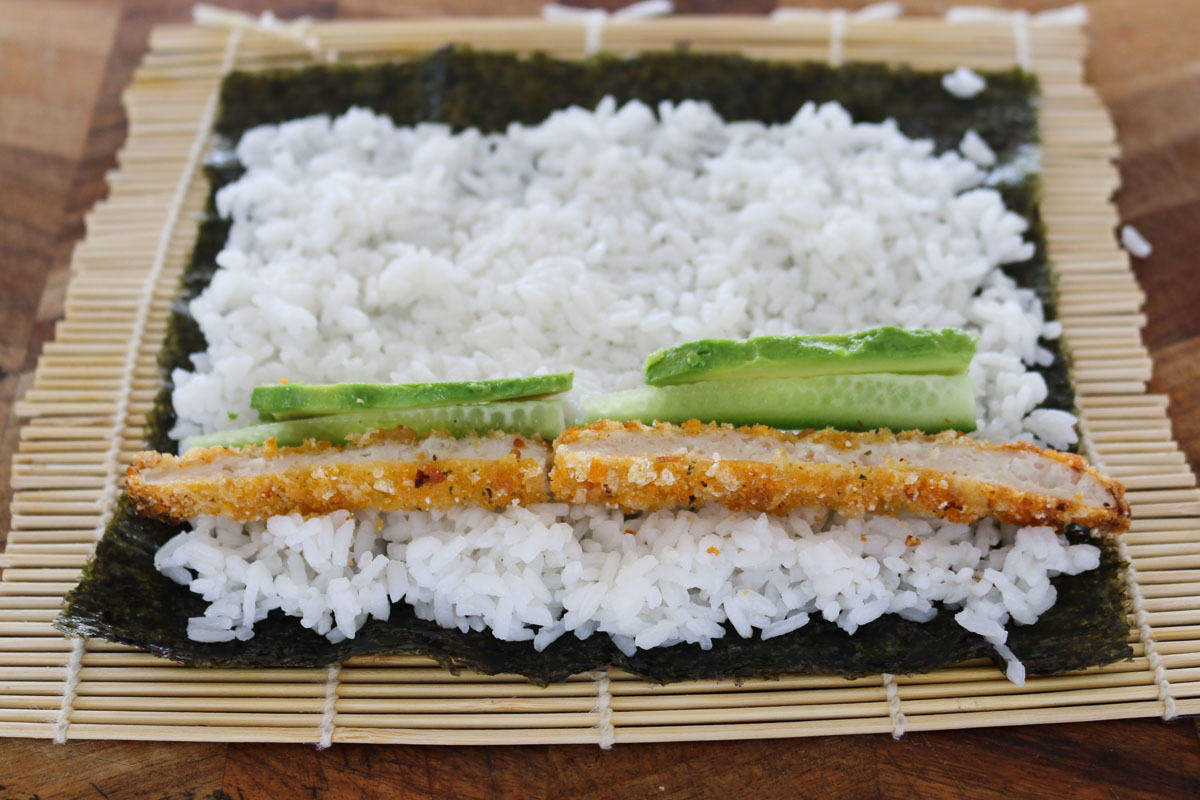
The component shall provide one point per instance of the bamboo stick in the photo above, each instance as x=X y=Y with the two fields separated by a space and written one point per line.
x=1144 y=418
x=17 y=601
x=314 y=704
x=24 y=628
x=1173 y=603
x=18 y=701
x=1004 y=687
x=196 y=718
x=1142 y=498
x=1188 y=534
x=26 y=614
x=773 y=713
x=623 y=683
x=1178 y=548
x=9 y=688
x=8 y=586
x=468 y=721
x=1179 y=652
x=1147 y=576
x=173 y=733
x=1030 y=716
x=430 y=675
x=634 y=702
x=1182 y=480
x=1178 y=633
x=719 y=732
x=180 y=673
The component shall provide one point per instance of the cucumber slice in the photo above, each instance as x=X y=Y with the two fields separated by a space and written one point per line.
x=527 y=417
x=851 y=402
x=293 y=400
x=886 y=349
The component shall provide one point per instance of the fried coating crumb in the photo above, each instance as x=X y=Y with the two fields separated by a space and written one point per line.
x=756 y=468
x=388 y=470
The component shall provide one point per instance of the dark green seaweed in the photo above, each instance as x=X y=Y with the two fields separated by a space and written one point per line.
x=485 y=90
x=121 y=597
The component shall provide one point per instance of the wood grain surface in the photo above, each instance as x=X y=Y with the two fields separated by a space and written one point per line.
x=63 y=64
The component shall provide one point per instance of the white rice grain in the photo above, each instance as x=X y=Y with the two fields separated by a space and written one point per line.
x=963 y=82
x=975 y=148
x=648 y=581
x=1133 y=241
x=362 y=251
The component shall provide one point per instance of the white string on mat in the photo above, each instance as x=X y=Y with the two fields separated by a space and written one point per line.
x=837 y=37
x=70 y=685
x=839 y=19
x=1136 y=599
x=871 y=13
x=298 y=30
x=594 y=19
x=1146 y=634
x=327 y=709
x=892 y=692
x=603 y=709
x=1021 y=40
x=968 y=14
x=1020 y=21
x=108 y=499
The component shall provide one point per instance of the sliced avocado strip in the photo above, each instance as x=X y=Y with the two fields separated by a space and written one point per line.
x=886 y=349
x=292 y=400
x=527 y=417
x=928 y=403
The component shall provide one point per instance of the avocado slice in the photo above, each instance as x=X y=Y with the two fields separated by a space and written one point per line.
x=294 y=400
x=543 y=418
x=885 y=349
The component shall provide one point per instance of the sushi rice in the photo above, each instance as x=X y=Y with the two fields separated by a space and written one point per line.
x=540 y=572
x=368 y=252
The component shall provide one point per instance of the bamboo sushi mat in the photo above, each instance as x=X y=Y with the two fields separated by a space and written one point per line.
x=95 y=383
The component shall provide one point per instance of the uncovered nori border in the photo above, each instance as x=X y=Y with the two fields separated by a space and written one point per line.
x=121 y=597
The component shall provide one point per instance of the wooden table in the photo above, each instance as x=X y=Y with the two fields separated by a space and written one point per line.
x=63 y=64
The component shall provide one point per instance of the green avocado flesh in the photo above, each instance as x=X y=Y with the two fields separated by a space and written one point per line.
x=929 y=403
x=123 y=598
x=289 y=401
x=884 y=349
x=529 y=417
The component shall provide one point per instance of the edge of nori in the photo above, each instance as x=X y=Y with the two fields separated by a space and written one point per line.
x=1085 y=627
x=122 y=598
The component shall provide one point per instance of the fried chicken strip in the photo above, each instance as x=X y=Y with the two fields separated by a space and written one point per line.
x=387 y=470
x=637 y=467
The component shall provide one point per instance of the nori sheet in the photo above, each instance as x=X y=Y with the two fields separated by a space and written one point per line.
x=122 y=598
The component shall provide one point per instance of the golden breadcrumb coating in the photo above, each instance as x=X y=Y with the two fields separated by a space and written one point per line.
x=637 y=467
x=387 y=470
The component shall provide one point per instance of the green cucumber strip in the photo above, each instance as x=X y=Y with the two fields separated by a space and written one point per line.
x=293 y=400
x=886 y=349
x=527 y=417
x=928 y=403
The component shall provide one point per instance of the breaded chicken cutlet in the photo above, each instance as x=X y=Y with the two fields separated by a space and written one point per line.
x=391 y=470
x=638 y=467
